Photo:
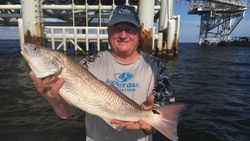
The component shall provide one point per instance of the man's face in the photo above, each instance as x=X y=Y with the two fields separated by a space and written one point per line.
x=123 y=38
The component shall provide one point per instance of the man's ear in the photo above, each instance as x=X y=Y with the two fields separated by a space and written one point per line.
x=140 y=32
x=140 y=44
x=108 y=29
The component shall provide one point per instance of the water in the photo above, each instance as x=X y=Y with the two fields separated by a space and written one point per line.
x=214 y=83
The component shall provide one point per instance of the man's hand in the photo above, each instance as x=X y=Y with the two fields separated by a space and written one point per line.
x=140 y=124
x=48 y=87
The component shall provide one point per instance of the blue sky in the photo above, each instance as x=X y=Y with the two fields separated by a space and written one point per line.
x=189 y=26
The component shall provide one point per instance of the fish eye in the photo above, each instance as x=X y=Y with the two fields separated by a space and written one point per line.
x=34 y=48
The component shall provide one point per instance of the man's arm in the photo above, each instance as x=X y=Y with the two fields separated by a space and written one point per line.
x=162 y=88
x=86 y=61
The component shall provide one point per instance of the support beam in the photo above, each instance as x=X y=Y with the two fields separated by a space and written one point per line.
x=33 y=29
x=146 y=15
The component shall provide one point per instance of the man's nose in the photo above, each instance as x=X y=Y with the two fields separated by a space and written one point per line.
x=123 y=34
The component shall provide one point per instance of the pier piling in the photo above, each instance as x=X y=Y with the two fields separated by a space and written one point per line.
x=32 y=25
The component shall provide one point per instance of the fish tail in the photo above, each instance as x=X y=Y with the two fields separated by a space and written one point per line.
x=167 y=117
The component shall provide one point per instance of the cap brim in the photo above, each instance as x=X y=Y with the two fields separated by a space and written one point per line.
x=120 y=20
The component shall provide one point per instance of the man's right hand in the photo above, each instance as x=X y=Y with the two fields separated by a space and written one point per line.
x=49 y=87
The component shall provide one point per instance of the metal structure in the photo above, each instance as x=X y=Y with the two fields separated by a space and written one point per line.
x=218 y=18
x=84 y=23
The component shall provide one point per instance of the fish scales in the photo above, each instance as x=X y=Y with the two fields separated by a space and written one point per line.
x=95 y=88
x=104 y=94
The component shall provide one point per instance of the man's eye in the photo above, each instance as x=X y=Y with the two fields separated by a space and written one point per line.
x=116 y=30
x=131 y=31
x=128 y=30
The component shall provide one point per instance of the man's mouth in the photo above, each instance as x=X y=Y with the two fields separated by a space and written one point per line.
x=123 y=42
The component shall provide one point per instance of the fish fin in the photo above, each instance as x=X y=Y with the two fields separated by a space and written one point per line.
x=167 y=119
x=115 y=126
x=123 y=96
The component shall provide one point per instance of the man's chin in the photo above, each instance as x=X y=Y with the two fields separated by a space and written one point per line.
x=123 y=45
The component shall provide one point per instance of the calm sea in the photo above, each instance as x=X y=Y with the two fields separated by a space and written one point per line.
x=214 y=83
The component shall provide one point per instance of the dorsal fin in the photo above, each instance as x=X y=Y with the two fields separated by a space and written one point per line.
x=123 y=96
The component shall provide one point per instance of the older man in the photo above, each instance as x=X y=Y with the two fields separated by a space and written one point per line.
x=140 y=76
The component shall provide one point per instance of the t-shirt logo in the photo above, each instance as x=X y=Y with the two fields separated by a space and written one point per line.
x=123 y=77
x=124 y=82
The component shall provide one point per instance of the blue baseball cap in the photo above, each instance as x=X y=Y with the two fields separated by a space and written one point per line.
x=124 y=13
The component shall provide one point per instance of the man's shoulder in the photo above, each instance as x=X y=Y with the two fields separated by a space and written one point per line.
x=152 y=59
x=90 y=59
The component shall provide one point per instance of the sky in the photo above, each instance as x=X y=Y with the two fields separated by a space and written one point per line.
x=189 y=26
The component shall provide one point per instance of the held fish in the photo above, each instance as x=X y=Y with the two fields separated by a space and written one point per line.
x=83 y=90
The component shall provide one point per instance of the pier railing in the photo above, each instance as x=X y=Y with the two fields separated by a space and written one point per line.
x=61 y=36
x=75 y=35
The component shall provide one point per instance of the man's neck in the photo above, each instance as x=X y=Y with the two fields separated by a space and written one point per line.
x=126 y=59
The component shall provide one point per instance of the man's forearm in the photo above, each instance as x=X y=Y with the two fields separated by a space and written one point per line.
x=64 y=109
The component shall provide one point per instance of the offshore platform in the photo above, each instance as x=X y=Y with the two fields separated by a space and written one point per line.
x=218 y=19
x=83 y=23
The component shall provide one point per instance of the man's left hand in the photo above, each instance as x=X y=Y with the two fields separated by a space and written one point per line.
x=140 y=124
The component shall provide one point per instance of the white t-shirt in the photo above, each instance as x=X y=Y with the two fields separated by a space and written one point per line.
x=136 y=80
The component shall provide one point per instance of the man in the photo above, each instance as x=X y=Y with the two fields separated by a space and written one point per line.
x=141 y=77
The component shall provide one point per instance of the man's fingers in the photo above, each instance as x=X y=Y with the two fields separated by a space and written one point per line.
x=134 y=126
x=144 y=125
x=121 y=123
x=47 y=80
x=56 y=87
x=47 y=84
x=150 y=100
x=32 y=76
x=148 y=104
x=36 y=82
x=127 y=124
x=115 y=121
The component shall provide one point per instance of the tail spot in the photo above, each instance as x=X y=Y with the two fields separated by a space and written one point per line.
x=155 y=112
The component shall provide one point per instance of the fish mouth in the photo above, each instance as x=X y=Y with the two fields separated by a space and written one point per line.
x=25 y=54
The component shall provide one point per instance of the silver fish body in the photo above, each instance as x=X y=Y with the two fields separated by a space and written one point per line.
x=86 y=92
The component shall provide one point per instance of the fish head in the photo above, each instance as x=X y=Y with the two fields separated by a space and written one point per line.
x=43 y=61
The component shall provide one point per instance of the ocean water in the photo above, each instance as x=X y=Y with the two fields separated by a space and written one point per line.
x=214 y=84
